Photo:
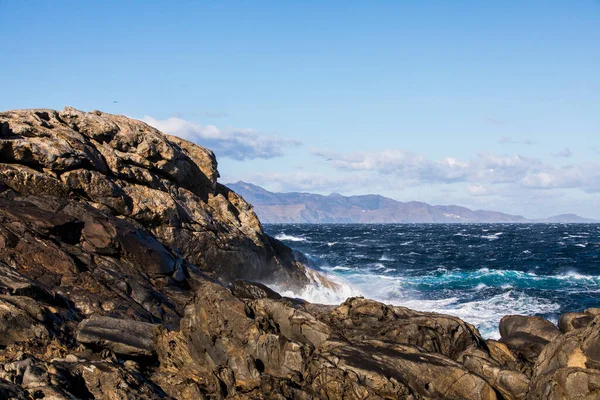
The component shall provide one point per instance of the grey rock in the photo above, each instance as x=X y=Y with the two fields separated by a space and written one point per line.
x=126 y=337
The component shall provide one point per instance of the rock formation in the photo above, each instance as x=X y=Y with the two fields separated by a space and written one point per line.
x=126 y=269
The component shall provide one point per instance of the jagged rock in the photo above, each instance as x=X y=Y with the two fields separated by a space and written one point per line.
x=376 y=369
x=22 y=319
x=361 y=319
x=513 y=385
x=129 y=169
x=567 y=383
x=253 y=290
x=127 y=271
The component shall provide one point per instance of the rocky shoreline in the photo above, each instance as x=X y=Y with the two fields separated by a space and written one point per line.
x=127 y=270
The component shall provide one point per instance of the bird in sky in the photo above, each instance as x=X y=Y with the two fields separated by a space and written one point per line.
x=114 y=102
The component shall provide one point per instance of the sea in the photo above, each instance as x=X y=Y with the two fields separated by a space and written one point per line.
x=478 y=272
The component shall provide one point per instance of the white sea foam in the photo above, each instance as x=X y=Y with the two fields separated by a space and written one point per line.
x=321 y=290
x=493 y=236
x=289 y=238
x=485 y=313
x=341 y=268
x=385 y=258
x=331 y=244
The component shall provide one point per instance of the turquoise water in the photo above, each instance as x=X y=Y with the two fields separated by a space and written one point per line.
x=478 y=272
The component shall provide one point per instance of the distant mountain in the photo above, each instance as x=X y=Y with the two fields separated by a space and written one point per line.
x=567 y=218
x=314 y=208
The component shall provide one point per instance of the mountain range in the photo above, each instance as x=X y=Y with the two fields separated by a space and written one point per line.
x=294 y=207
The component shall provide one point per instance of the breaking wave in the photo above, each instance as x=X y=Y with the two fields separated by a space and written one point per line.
x=460 y=270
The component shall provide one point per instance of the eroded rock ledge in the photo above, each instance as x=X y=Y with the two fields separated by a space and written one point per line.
x=124 y=274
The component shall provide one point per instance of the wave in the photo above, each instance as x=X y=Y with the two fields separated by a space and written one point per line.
x=412 y=292
x=493 y=236
x=324 y=288
x=289 y=238
x=483 y=313
x=341 y=268
x=527 y=272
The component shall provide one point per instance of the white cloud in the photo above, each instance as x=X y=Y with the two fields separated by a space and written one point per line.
x=480 y=172
x=239 y=144
x=583 y=176
x=299 y=181
x=564 y=153
x=480 y=190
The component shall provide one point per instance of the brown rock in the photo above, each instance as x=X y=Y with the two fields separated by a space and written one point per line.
x=127 y=337
x=574 y=320
x=527 y=337
x=361 y=319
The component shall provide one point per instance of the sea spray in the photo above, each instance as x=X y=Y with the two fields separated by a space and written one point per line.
x=477 y=272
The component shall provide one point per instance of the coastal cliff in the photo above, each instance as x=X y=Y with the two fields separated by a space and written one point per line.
x=126 y=269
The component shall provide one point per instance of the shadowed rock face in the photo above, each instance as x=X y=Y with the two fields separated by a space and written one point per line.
x=164 y=188
x=126 y=269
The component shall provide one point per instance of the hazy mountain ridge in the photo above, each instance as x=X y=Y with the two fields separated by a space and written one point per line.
x=298 y=207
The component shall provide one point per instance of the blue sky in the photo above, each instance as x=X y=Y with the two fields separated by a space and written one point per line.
x=485 y=104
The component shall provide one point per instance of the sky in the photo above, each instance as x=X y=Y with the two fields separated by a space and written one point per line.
x=485 y=104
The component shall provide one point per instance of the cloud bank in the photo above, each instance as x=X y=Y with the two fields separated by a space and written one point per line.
x=238 y=144
x=480 y=172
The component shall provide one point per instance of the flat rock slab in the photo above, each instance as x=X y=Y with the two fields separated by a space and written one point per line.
x=126 y=337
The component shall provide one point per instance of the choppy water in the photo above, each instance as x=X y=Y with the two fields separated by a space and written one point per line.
x=478 y=272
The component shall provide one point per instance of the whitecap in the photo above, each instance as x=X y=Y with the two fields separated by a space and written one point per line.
x=289 y=238
x=341 y=268
x=493 y=236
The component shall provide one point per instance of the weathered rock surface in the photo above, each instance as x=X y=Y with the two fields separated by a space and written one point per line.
x=128 y=272
x=526 y=336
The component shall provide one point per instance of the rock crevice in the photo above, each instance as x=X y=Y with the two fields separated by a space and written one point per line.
x=126 y=271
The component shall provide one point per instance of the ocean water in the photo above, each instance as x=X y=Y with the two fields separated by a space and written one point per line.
x=478 y=272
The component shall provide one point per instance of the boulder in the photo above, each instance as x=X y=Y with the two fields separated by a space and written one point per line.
x=125 y=337
x=574 y=320
x=376 y=369
x=527 y=337
x=128 y=271
x=360 y=319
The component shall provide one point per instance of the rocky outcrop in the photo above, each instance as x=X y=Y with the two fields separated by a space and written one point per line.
x=160 y=186
x=126 y=272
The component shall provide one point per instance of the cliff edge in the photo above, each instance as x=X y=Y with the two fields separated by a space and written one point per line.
x=125 y=272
